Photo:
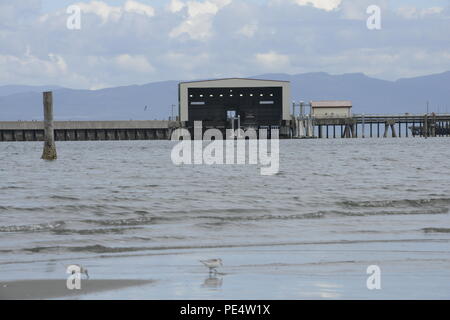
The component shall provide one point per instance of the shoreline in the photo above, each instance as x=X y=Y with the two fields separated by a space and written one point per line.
x=56 y=288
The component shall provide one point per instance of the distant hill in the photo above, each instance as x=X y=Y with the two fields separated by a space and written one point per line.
x=12 y=89
x=369 y=95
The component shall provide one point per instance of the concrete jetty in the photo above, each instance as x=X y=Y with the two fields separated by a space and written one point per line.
x=88 y=130
x=357 y=126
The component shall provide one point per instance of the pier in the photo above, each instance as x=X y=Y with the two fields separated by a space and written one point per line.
x=373 y=126
x=88 y=130
x=357 y=126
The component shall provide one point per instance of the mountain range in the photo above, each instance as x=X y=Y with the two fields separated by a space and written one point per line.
x=154 y=100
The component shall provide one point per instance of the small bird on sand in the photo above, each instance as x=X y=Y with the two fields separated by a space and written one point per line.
x=82 y=269
x=212 y=264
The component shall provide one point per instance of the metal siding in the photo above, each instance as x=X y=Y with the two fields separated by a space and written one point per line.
x=234 y=83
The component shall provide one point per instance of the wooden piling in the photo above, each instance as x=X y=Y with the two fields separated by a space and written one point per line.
x=386 y=130
x=433 y=127
x=392 y=123
x=49 y=152
x=425 y=126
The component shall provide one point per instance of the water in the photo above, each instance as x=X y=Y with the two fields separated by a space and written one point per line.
x=337 y=206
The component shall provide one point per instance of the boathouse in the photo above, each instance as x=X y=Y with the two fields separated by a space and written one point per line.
x=236 y=102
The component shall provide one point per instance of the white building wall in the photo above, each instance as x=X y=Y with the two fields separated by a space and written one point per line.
x=344 y=112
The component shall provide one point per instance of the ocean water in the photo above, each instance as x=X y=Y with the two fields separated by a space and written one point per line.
x=125 y=211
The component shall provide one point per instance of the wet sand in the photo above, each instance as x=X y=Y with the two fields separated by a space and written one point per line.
x=48 y=289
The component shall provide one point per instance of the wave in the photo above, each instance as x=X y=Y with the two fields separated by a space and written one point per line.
x=211 y=218
x=409 y=203
x=100 y=249
x=33 y=228
x=124 y=222
x=436 y=230
x=70 y=208
x=223 y=217
x=88 y=249
x=92 y=231
x=56 y=197
x=11 y=188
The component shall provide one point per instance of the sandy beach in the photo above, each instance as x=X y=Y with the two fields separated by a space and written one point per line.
x=48 y=289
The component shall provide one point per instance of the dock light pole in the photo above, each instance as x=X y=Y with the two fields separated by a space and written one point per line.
x=173 y=106
x=301 y=105
x=301 y=109
x=239 y=126
x=49 y=152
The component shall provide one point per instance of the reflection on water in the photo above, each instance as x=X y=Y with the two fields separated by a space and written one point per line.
x=212 y=282
x=328 y=290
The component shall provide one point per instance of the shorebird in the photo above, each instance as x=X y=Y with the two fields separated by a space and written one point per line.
x=82 y=269
x=212 y=264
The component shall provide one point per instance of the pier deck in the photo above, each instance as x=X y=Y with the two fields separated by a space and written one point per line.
x=358 y=126
x=87 y=130
x=374 y=125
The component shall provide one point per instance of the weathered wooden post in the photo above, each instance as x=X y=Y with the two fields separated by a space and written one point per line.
x=392 y=123
x=363 y=126
x=386 y=129
x=49 y=152
x=425 y=126
x=433 y=126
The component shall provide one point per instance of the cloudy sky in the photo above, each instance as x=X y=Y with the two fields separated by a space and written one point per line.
x=126 y=42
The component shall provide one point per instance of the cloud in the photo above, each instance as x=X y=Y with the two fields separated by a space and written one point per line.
x=101 y=9
x=175 y=6
x=357 y=10
x=137 y=63
x=411 y=12
x=399 y=61
x=140 y=8
x=14 y=12
x=327 y=5
x=114 y=13
x=248 y=30
x=198 y=23
x=128 y=63
x=272 y=61
x=28 y=66
x=132 y=42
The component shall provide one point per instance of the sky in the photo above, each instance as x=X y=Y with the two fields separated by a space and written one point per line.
x=125 y=42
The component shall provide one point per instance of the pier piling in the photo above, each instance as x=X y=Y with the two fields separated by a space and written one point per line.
x=49 y=152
